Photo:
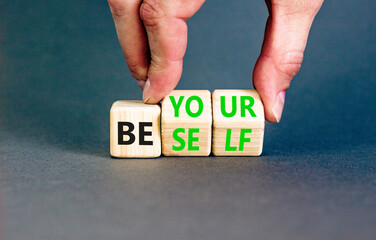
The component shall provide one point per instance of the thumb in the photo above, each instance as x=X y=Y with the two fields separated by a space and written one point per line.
x=285 y=39
x=166 y=29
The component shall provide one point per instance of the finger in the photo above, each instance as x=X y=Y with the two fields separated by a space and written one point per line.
x=166 y=29
x=132 y=36
x=285 y=39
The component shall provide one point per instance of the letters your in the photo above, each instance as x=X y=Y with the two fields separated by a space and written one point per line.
x=246 y=104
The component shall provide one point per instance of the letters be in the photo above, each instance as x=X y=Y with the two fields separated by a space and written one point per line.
x=132 y=137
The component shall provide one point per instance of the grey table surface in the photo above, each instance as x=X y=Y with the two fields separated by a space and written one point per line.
x=62 y=68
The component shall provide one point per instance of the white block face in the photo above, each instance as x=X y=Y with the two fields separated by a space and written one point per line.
x=186 y=123
x=135 y=130
x=238 y=123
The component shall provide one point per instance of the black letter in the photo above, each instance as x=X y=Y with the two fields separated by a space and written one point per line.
x=143 y=133
x=121 y=133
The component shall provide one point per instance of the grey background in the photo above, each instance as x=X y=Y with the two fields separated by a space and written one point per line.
x=62 y=68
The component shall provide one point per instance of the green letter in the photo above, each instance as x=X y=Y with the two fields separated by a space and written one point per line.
x=176 y=105
x=243 y=107
x=178 y=139
x=188 y=106
x=192 y=139
x=228 y=141
x=223 y=107
x=242 y=139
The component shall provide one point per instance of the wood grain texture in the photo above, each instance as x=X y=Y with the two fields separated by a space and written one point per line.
x=221 y=124
x=171 y=122
x=135 y=112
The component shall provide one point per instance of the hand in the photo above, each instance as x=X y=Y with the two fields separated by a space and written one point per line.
x=153 y=36
x=286 y=34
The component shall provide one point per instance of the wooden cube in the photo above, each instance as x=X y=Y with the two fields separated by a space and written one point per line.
x=238 y=123
x=186 y=123
x=135 y=130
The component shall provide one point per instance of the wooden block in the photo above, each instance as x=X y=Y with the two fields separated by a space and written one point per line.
x=186 y=123
x=135 y=130
x=238 y=123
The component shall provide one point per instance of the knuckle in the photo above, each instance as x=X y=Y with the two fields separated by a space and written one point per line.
x=313 y=6
x=288 y=8
x=151 y=11
x=290 y=63
x=120 y=8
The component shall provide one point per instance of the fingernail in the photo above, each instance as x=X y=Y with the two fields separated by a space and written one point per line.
x=145 y=94
x=141 y=83
x=278 y=105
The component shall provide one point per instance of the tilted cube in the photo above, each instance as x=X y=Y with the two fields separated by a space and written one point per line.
x=135 y=130
x=238 y=123
x=186 y=123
